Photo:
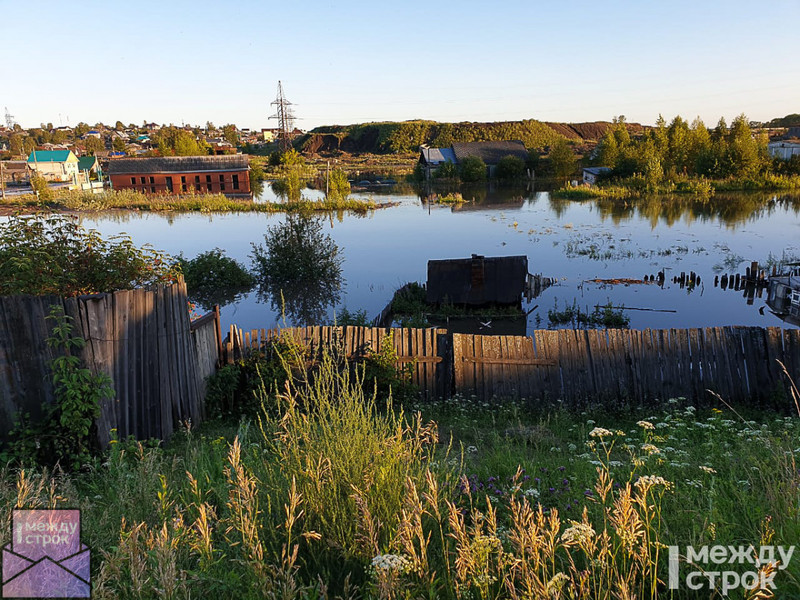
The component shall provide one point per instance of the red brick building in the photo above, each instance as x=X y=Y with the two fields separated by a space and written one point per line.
x=229 y=175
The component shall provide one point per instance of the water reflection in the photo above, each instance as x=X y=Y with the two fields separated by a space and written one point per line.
x=298 y=270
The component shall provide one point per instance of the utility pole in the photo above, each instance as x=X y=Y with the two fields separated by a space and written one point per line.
x=2 y=181
x=285 y=118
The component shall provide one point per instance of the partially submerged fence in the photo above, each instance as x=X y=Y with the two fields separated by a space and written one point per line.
x=140 y=338
x=576 y=366
x=738 y=363
x=426 y=349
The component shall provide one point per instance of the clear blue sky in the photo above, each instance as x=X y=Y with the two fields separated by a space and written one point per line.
x=347 y=62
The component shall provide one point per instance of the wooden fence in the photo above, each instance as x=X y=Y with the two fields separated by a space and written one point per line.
x=140 y=338
x=427 y=349
x=739 y=363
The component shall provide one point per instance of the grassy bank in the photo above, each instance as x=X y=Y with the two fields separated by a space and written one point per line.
x=637 y=187
x=131 y=200
x=334 y=494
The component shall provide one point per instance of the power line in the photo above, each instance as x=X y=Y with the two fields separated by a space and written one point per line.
x=285 y=118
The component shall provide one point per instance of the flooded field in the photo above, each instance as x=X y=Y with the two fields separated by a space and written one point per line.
x=573 y=242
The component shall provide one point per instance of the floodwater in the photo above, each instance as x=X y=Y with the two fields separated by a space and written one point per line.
x=573 y=242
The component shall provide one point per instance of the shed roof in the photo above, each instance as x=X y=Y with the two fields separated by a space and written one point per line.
x=490 y=152
x=597 y=170
x=478 y=280
x=179 y=164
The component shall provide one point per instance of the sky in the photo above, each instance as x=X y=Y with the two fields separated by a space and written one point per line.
x=348 y=62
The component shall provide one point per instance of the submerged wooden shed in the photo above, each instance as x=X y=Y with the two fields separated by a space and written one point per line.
x=477 y=281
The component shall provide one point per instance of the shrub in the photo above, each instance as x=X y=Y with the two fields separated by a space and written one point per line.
x=446 y=170
x=213 y=278
x=55 y=255
x=472 y=169
x=65 y=433
x=510 y=167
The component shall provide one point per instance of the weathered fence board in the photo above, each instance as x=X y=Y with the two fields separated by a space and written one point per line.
x=140 y=338
x=739 y=363
x=426 y=349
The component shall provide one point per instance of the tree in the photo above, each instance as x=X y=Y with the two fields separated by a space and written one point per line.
x=41 y=188
x=93 y=145
x=446 y=170
x=472 y=169
x=118 y=144
x=81 y=129
x=119 y=126
x=510 y=167
x=338 y=185
x=562 y=159
x=231 y=134
x=16 y=144
x=299 y=268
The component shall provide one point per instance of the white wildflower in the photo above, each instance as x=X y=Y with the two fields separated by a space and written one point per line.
x=708 y=470
x=600 y=432
x=577 y=534
x=647 y=425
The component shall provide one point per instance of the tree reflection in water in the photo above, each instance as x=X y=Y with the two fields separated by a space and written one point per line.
x=298 y=269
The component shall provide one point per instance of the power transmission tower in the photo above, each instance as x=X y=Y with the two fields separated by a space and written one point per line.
x=9 y=119
x=285 y=118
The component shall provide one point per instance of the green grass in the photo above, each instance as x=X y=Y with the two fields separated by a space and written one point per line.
x=131 y=200
x=327 y=485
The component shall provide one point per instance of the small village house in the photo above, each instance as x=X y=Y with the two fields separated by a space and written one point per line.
x=14 y=171
x=489 y=152
x=54 y=165
x=229 y=174
x=592 y=174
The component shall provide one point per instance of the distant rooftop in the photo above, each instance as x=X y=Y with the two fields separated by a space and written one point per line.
x=178 y=164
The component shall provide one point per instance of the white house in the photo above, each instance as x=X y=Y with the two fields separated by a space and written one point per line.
x=784 y=149
x=592 y=174
x=54 y=165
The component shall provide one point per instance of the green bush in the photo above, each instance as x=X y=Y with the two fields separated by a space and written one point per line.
x=510 y=167
x=446 y=170
x=64 y=435
x=213 y=278
x=472 y=169
x=42 y=255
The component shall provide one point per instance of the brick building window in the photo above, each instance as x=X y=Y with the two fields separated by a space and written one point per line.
x=133 y=180
x=222 y=183
x=236 y=182
x=142 y=179
x=183 y=183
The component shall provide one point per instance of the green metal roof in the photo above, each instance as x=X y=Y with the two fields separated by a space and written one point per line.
x=86 y=163
x=49 y=156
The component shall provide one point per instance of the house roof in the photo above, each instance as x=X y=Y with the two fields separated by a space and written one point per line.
x=597 y=170
x=87 y=163
x=477 y=280
x=179 y=164
x=50 y=156
x=490 y=152
x=438 y=155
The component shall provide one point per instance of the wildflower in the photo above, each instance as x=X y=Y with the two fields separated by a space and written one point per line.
x=647 y=425
x=650 y=449
x=531 y=493
x=393 y=563
x=708 y=470
x=648 y=481
x=471 y=450
x=556 y=584
x=579 y=533
x=600 y=432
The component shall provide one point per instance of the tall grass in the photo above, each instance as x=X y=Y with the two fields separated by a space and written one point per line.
x=334 y=493
x=133 y=200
